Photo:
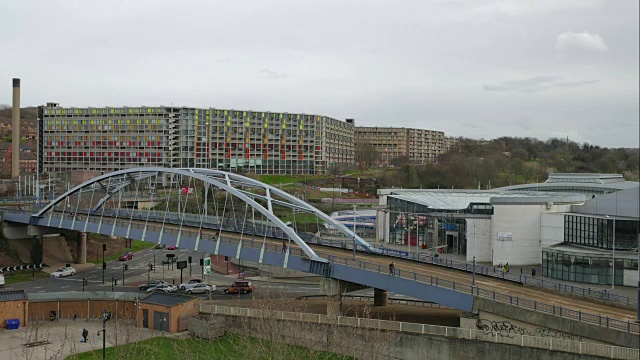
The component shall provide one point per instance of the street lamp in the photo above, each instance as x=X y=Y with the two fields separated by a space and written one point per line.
x=354 y=232
x=106 y=316
x=613 y=261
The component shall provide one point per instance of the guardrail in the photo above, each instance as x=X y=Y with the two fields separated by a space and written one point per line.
x=259 y=229
x=547 y=343
x=578 y=315
x=368 y=298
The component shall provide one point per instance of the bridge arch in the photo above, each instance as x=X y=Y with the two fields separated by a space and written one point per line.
x=115 y=183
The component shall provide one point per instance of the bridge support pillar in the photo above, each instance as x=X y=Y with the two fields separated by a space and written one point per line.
x=380 y=297
x=81 y=257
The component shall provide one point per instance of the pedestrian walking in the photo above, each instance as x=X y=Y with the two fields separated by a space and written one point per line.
x=85 y=334
x=533 y=271
x=506 y=267
x=392 y=268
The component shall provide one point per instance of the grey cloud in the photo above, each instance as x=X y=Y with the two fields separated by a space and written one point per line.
x=272 y=74
x=534 y=84
x=582 y=41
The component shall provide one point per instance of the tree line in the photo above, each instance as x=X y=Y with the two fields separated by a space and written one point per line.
x=507 y=161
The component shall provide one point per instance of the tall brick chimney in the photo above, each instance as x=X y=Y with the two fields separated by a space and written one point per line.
x=15 y=130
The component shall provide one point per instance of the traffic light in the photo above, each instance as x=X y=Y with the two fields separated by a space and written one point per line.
x=104 y=247
x=85 y=281
x=115 y=282
x=104 y=265
x=201 y=262
x=126 y=267
x=189 y=259
x=226 y=259
x=150 y=267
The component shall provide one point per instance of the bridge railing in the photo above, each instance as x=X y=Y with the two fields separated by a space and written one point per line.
x=617 y=324
x=261 y=228
x=547 y=343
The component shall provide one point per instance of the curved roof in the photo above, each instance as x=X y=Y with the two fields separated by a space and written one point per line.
x=461 y=199
x=587 y=181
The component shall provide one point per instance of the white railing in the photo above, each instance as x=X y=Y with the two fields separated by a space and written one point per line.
x=548 y=343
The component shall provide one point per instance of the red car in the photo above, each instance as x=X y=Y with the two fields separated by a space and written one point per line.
x=171 y=247
x=126 y=256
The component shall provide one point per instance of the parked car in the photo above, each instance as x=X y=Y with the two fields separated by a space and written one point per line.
x=239 y=287
x=171 y=247
x=202 y=288
x=189 y=284
x=63 y=272
x=163 y=288
x=151 y=283
x=127 y=255
x=1 y=280
x=160 y=246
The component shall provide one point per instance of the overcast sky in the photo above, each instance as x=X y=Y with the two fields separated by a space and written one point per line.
x=478 y=69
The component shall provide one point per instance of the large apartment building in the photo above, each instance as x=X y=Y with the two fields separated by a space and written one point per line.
x=417 y=145
x=108 y=139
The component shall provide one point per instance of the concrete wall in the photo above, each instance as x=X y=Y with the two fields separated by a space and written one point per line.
x=523 y=222
x=630 y=277
x=481 y=232
x=490 y=310
x=364 y=343
x=552 y=229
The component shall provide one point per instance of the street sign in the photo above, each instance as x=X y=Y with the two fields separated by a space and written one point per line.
x=207 y=263
x=181 y=264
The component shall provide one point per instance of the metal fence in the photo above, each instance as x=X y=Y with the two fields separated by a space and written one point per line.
x=547 y=343
x=185 y=230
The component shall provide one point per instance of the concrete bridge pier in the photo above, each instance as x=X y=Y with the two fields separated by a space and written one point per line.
x=81 y=257
x=380 y=297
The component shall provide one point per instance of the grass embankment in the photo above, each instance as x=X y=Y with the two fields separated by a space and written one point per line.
x=136 y=245
x=227 y=347
x=24 y=276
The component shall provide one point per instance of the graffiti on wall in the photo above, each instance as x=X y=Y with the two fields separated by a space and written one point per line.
x=509 y=329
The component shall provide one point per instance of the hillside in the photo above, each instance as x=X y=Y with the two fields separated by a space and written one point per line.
x=510 y=161
x=28 y=116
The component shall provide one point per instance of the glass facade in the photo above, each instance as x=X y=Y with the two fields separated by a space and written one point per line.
x=419 y=225
x=598 y=232
x=592 y=269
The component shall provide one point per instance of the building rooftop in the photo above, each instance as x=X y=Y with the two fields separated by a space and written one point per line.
x=12 y=295
x=166 y=299
x=461 y=199
x=578 y=181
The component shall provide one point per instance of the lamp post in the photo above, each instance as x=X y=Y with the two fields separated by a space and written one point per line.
x=354 y=232
x=475 y=240
x=106 y=316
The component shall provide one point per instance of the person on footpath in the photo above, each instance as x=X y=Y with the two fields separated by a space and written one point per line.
x=392 y=268
x=85 y=334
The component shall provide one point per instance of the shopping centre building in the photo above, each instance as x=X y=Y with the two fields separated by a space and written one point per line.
x=572 y=233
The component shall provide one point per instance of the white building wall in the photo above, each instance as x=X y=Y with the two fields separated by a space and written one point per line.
x=482 y=235
x=382 y=220
x=522 y=222
x=630 y=277
x=552 y=229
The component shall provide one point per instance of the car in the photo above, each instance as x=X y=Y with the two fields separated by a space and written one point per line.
x=63 y=272
x=1 y=280
x=172 y=247
x=189 y=284
x=160 y=246
x=239 y=287
x=127 y=255
x=202 y=288
x=150 y=284
x=162 y=288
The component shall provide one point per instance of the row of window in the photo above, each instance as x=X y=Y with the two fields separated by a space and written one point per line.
x=599 y=232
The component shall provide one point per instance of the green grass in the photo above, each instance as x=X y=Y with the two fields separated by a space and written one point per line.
x=24 y=276
x=136 y=245
x=227 y=347
x=275 y=180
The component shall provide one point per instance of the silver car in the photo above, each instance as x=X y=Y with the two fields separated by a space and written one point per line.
x=202 y=288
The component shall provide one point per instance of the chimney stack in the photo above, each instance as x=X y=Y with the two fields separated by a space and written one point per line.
x=15 y=130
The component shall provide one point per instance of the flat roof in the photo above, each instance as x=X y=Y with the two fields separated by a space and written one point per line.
x=579 y=181
x=166 y=299
x=12 y=295
x=461 y=199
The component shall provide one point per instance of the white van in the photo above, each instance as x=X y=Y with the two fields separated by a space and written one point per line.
x=1 y=280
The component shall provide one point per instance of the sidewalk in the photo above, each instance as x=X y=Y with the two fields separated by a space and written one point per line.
x=623 y=291
x=64 y=338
